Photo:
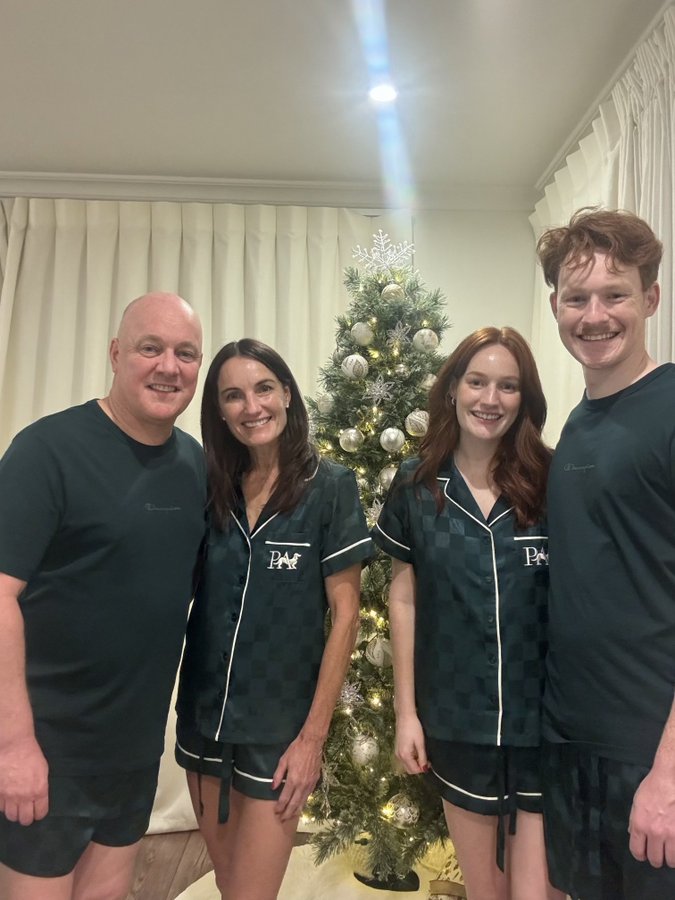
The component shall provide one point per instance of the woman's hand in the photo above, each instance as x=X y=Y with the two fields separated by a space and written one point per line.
x=410 y=746
x=300 y=766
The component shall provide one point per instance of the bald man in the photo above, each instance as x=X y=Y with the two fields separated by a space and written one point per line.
x=101 y=518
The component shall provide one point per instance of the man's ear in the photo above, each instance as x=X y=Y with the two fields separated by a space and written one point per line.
x=114 y=353
x=553 y=300
x=652 y=299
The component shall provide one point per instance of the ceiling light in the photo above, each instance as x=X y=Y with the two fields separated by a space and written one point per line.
x=383 y=93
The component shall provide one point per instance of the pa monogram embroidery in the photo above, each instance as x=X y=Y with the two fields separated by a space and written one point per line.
x=279 y=560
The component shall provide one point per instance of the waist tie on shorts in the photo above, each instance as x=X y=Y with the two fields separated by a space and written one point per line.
x=223 y=799
x=506 y=799
x=224 y=793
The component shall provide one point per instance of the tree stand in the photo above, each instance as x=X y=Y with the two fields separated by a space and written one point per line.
x=449 y=882
x=409 y=882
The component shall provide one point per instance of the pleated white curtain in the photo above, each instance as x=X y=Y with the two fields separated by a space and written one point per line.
x=645 y=103
x=626 y=161
x=69 y=267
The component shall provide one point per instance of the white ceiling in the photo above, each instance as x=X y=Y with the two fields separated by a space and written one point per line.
x=139 y=95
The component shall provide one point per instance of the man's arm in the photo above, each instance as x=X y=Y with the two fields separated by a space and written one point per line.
x=23 y=767
x=652 y=818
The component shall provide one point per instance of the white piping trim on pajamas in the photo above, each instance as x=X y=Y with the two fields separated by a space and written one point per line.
x=460 y=790
x=344 y=550
x=236 y=630
x=288 y=544
x=488 y=527
x=398 y=544
x=196 y=755
x=256 y=777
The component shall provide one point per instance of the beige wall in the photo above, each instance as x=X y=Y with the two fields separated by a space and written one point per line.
x=483 y=261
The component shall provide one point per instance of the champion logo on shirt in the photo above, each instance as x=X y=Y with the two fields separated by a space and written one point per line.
x=571 y=467
x=279 y=560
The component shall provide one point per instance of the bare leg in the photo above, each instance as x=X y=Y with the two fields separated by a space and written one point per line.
x=526 y=861
x=105 y=873
x=15 y=886
x=250 y=852
x=475 y=840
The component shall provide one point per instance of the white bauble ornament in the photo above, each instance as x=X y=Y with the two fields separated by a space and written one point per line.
x=417 y=422
x=402 y=370
x=378 y=652
x=354 y=366
x=386 y=476
x=325 y=403
x=392 y=439
x=405 y=812
x=351 y=439
x=364 y=749
x=362 y=333
x=428 y=381
x=425 y=340
x=392 y=292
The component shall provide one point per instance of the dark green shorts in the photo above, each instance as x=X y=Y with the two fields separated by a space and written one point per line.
x=113 y=810
x=249 y=768
x=587 y=804
x=486 y=779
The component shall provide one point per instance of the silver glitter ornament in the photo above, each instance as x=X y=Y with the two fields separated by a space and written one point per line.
x=325 y=403
x=392 y=292
x=425 y=340
x=392 y=439
x=386 y=476
x=362 y=333
x=405 y=813
x=364 y=749
x=351 y=439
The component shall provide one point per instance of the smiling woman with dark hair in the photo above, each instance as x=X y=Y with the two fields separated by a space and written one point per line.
x=465 y=526
x=259 y=680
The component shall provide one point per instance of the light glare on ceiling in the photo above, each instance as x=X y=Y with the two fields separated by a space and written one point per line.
x=383 y=93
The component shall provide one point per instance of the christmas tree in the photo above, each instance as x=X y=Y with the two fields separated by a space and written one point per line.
x=370 y=416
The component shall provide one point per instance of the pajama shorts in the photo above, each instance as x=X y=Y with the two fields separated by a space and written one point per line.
x=113 y=810
x=248 y=768
x=587 y=804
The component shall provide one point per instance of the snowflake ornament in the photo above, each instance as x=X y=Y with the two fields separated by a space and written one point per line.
x=398 y=334
x=373 y=512
x=378 y=391
x=350 y=695
x=384 y=255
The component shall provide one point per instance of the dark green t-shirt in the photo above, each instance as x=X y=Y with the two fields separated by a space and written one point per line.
x=611 y=665
x=480 y=610
x=105 y=531
x=256 y=633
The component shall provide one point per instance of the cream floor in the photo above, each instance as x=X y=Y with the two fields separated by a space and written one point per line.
x=331 y=881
